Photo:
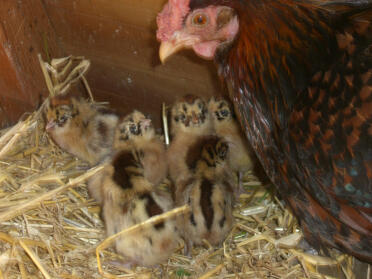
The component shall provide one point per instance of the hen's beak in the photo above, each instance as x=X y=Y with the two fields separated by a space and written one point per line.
x=168 y=48
x=178 y=41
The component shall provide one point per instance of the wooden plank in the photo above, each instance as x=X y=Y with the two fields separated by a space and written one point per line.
x=120 y=43
x=119 y=39
x=139 y=13
x=120 y=78
x=128 y=89
x=9 y=80
x=25 y=30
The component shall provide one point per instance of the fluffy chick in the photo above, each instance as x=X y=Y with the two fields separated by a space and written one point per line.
x=125 y=169
x=136 y=131
x=128 y=198
x=239 y=157
x=81 y=128
x=189 y=122
x=141 y=152
x=209 y=193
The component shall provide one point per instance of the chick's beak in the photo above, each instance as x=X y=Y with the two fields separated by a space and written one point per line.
x=50 y=125
x=177 y=42
x=146 y=123
x=195 y=118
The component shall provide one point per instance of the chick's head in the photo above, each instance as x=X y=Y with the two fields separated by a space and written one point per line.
x=133 y=127
x=220 y=110
x=191 y=112
x=60 y=113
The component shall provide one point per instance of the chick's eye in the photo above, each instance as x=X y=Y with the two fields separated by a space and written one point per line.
x=199 y=19
x=62 y=119
x=224 y=112
x=133 y=129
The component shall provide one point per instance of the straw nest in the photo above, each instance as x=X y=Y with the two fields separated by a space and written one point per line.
x=50 y=228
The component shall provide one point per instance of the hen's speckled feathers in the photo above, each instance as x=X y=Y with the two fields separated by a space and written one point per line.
x=300 y=76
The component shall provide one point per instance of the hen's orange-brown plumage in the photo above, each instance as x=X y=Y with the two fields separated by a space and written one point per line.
x=300 y=76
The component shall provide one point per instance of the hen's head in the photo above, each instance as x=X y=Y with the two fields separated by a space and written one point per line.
x=180 y=26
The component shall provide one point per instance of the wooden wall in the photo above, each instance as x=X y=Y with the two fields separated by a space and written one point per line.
x=25 y=30
x=118 y=36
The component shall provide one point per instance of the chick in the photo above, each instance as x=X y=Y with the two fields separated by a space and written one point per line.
x=209 y=193
x=136 y=131
x=126 y=170
x=128 y=198
x=190 y=122
x=141 y=152
x=240 y=154
x=81 y=128
x=127 y=190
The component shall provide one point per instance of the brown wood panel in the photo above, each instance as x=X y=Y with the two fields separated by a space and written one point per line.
x=139 y=13
x=119 y=38
x=25 y=30
x=119 y=42
x=146 y=96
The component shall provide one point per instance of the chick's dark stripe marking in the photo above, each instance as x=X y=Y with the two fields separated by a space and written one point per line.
x=206 y=202
x=152 y=209
x=195 y=151
x=123 y=160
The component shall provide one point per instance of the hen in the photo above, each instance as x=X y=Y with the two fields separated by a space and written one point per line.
x=299 y=74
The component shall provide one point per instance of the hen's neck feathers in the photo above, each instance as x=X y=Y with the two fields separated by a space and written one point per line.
x=280 y=45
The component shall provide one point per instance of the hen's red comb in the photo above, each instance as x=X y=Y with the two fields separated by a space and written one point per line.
x=171 y=17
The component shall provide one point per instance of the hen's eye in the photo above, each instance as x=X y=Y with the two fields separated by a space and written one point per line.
x=199 y=19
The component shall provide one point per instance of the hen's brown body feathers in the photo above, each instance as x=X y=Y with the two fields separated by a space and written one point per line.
x=300 y=76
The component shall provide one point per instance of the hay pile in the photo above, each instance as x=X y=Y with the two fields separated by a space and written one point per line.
x=50 y=228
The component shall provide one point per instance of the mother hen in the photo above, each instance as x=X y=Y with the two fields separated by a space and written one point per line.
x=300 y=76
